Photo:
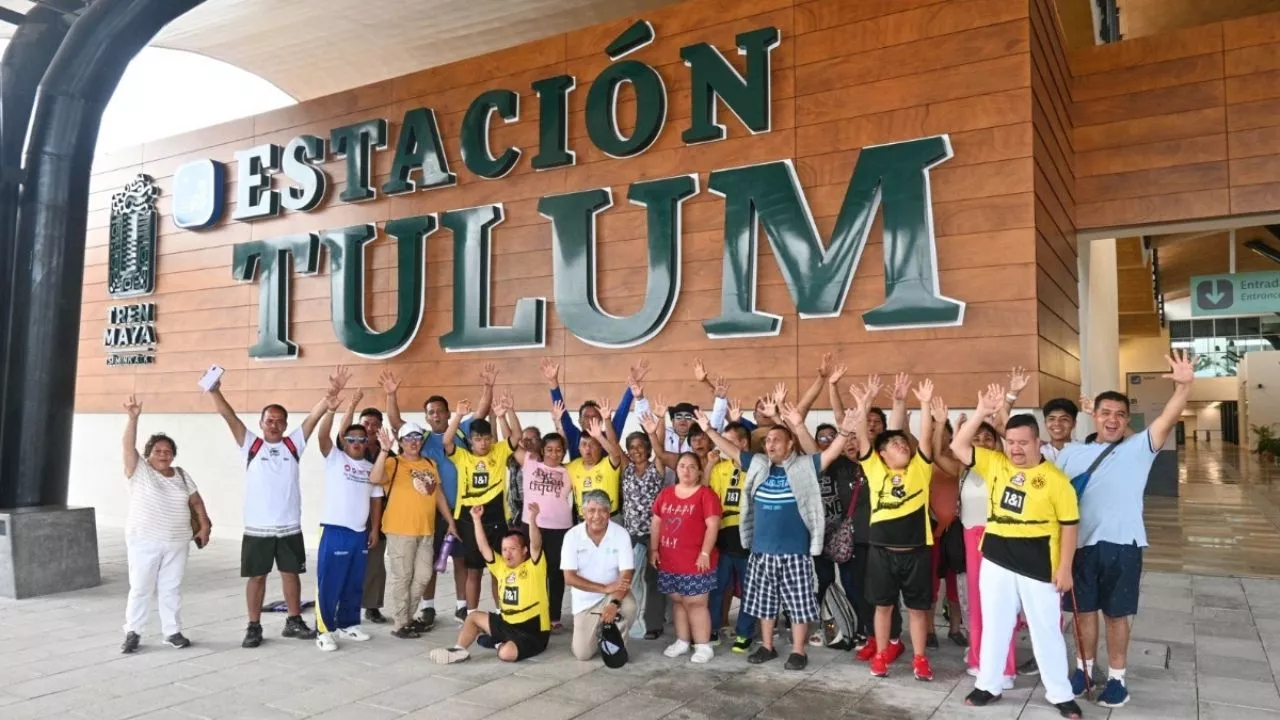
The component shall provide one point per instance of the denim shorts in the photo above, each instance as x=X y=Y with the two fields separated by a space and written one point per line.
x=1107 y=576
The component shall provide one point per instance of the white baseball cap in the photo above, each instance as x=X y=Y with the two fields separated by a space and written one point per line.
x=409 y=429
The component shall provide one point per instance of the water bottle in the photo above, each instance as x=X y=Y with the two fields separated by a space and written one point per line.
x=446 y=549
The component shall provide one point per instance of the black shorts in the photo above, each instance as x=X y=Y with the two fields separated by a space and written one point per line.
x=493 y=532
x=442 y=529
x=907 y=572
x=529 y=637
x=258 y=555
x=1107 y=577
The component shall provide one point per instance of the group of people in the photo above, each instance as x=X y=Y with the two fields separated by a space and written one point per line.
x=695 y=509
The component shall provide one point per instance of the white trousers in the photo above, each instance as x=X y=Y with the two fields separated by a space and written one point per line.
x=1003 y=594
x=155 y=567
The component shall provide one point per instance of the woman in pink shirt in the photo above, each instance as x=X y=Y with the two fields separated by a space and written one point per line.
x=546 y=484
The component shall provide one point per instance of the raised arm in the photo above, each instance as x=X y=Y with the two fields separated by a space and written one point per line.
x=726 y=446
x=488 y=377
x=1182 y=373
x=633 y=391
x=924 y=395
x=455 y=420
x=535 y=532
x=898 y=415
x=652 y=425
x=557 y=412
x=833 y=390
x=349 y=413
x=482 y=542
x=962 y=443
x=942 y=456
x=391 y=386
x=130 y=443
x=500 y=408
x=862 y=395
x=378 y=475
x=794 y=419
x=512 y=420
x=228 y=414
x=1018 y=381
x=848 y=425
x=551 y=373
x=719 y=403
x=1000 y=416
x=337 y=382
x=326 y=425
x=810 y=395
x=601 y=431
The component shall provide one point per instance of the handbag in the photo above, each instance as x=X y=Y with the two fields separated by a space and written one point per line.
x=195 y=516
x=838 y=545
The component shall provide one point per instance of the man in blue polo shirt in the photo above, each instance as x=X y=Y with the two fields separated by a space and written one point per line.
x=436 y=409
x=1108 y=565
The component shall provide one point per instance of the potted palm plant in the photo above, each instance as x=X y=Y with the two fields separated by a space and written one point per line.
x=1268 y=446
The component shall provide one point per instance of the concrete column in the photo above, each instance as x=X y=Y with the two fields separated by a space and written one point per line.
x=1099 y=319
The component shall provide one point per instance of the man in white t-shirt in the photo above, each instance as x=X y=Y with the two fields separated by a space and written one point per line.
x=598 y=565
x=273 y=506
x=349 y=529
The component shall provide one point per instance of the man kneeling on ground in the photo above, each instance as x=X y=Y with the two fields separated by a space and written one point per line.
x=598 y=566
x=523 y=626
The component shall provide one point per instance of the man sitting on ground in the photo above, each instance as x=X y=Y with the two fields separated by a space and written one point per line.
x=598 y=566
x=522 y=627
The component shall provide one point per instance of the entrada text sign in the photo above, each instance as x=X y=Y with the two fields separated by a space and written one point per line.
x=818 y=274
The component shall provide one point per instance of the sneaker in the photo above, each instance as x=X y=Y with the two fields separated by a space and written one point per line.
x=296 y=627
x=741 y=644
x=867 y=652
x=326 y=642
x=980 y=698
x=860 y=641
x=923 y=670
x=177 y=640
x=879 y=665
x=677 y=648
x=418 y=626
x=762 y=655
x=894 y=651
x=1007 y=682
x=375 y=616
x=931 y=641
x=252 y=636
x=1029 y=668
x=461 y=614
x=1069 y=709
x=702 y=654
x=355 y=633
x=131 y=642
x=797 y=661
x=449 y=656
x=973 y=671
x=405 y=633
x=1114 y=695
x=959 y=638
x=817 y=639
x=427 y=617
x=1078 y=682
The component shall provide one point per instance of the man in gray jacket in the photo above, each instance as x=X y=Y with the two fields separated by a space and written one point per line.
x=782 y=524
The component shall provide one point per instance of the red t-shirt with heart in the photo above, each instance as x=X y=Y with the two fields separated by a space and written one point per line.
x=684 y=527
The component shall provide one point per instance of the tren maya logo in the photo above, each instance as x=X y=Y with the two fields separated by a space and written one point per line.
x=130 y=335
x=762 y=201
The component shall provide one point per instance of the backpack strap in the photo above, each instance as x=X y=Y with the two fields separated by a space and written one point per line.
x=293 y=449
x=254 y=448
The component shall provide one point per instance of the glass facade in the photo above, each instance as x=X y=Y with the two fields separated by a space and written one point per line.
x=1219 y=343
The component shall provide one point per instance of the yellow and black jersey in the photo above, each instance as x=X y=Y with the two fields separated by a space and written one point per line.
x=1026 y=508
x=482 y=479
x=524 y=591
x=729 y=481
x=899 y=501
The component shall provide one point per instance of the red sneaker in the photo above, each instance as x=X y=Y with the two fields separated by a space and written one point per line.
x=879 y=665
x=924 y=671
x=894 y=651
x=867 y=652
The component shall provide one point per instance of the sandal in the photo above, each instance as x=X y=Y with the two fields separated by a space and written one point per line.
x=959 y=638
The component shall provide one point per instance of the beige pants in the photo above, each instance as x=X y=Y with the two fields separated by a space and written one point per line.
x=586 y=626
x=409 y=567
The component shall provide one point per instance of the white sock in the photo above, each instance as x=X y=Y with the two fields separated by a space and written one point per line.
x=424 y=604
x=1086 y=666
x=1114 y=674
x=462 y=604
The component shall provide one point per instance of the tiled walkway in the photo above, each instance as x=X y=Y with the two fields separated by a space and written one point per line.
x=1204 y=646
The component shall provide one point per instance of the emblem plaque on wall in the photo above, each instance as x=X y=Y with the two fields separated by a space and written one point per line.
x=130 y=335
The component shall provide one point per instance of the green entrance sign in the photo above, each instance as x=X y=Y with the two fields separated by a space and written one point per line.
x=1235 y=294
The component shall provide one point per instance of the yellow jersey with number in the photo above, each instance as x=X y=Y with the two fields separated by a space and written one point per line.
x=728 y=481
x=481 y=478
x=899 y=501
x=523 y=591
x=1027 y=508
x=601 y=476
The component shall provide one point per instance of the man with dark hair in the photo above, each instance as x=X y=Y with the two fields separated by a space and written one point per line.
x=1060 y=422
x=273 y=506
x=1110 y=476
x=436 y=410
x=1026 y=553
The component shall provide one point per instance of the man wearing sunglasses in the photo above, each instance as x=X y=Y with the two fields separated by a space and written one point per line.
x=349 y=527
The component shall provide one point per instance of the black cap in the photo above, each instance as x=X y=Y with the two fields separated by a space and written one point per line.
x=683 y=407
x=612 y=647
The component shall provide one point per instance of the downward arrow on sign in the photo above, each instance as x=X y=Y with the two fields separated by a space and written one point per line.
x=1215 y=297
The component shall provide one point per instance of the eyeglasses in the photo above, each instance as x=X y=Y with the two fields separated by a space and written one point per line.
x=683 y=416
x=356 y=440
x=416 y=437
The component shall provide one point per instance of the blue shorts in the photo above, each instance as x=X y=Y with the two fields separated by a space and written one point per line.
x=1107 y=577
x=690 y=585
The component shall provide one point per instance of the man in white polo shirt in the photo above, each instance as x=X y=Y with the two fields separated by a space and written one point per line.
x=598 y=565
x=273 y=506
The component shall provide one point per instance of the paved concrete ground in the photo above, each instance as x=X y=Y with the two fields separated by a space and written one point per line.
x=59 y=658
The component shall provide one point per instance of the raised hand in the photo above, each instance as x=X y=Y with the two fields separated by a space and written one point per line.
x=1182 y=369
x=735 y=410
x=837 y=373
x=701 y=418
x=960 y=421
x=463 y=408
x=389 y=382
x=551 y=371
x=384 y=438
x=649 y=422
x=504 y=403
x=659 y=406
x=779 y=393
x=875 y=386
x=791 y=414
x=849 y=423
x=939 y=408
x=1086 y=404
x=1018 y=380
x=990 y=400
x=901 y=384
x=713 y=457
x=722 y=387
x=699 y=370
x=862 y=395
x=924 y=392
x=768 y=407
x=824 y=365
x=333 y=402
x=338 y=380
x=557 y=408
x=357 y=397
x=132 y=406
x=489 y=374
x=477 y=512
x=533 y=512
x=606 y=410
x=594 y=427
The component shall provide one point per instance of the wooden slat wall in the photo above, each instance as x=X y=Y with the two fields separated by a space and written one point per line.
x=847 y=75
x=1179 y=126
x=1057 y=272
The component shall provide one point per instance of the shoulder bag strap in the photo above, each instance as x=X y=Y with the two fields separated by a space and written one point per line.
x=1080 y=482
